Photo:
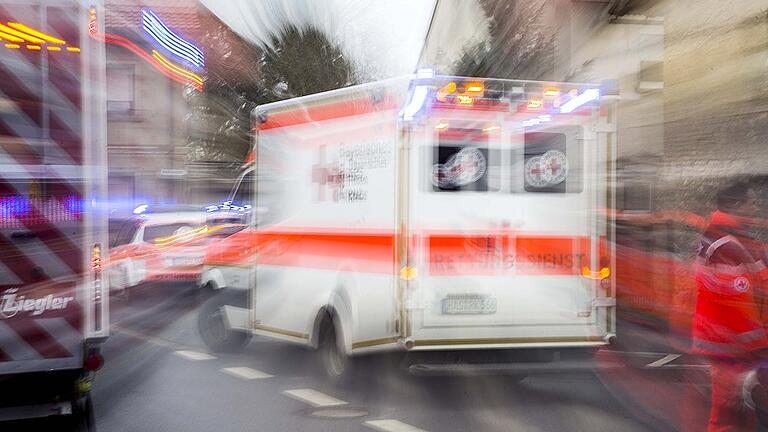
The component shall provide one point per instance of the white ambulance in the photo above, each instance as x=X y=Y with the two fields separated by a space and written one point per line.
x=53 y=230
x=429 y=213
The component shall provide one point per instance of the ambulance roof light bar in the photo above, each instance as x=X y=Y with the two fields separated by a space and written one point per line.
x=418 y=96
x=579 y=100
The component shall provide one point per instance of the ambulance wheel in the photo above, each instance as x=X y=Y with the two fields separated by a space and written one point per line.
x=212 y=326
x=336 y=364
x=82 y=415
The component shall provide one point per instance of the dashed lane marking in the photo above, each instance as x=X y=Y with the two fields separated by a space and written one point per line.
x=245 y=373
x=664 y=360
x=194 y=355
x=391 y=425
x=314 y=398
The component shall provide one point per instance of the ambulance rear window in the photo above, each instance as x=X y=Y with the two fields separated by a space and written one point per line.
x=462 y=161
x=551 y=162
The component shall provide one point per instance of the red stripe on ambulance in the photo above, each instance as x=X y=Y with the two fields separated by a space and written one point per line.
x=336 y=110
x=373 y=251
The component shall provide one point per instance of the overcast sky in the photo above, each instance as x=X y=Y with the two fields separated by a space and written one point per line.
x=383 y=37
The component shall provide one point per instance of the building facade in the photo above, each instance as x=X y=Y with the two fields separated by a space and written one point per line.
x=146 y=111
x=693 y=81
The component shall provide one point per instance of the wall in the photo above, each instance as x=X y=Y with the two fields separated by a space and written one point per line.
x=715 y=97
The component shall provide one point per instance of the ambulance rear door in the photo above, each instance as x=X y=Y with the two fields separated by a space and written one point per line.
x=507 y=179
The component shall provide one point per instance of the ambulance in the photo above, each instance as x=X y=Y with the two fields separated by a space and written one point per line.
x=157 y=247
x=426 y=213
x=53 y=234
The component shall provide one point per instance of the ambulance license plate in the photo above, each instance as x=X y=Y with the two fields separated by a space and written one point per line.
x=468 y=304
x=185 y=261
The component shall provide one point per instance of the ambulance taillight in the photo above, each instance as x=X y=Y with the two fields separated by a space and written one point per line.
x=408 y=273
x=603 y=274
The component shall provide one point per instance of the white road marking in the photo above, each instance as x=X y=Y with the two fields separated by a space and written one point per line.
x=664 y=360
x=390 y=425
x=314 y=397
x=245 y=373
x=194 y=355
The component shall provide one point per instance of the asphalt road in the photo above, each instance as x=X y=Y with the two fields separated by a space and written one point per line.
x=159 y=376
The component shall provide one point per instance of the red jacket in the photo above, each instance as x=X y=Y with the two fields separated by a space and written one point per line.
x=730 y=274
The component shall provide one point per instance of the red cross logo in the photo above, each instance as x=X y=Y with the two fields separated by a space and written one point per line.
x=328 y=177
x=554 y=166
x=741 y=284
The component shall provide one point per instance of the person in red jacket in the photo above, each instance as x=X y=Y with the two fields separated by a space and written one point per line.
x=729 y=322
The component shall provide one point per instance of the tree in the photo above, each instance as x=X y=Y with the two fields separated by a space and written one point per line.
x=521 y=44
x=303 y=61
x=240 y=76
x=218 y=119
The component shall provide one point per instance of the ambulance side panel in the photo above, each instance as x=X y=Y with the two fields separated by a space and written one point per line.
x=325 y=241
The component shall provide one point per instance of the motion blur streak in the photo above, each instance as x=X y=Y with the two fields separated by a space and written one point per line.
x=401 y=215
x=33 y=32
x=174 y=43
x=156 y=59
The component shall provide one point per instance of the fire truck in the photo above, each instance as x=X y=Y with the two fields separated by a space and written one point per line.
x=427 y=213
x=53 y=232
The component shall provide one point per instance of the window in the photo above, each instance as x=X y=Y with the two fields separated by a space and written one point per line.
x=120 y=89
x=152 y=232
x=114 y=230
x=551 y=162
x=651 y=76
x=244 y=193
x=125 y=233
x=462 y=162
x=227 y=231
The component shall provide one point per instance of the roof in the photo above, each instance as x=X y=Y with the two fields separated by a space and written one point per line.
x=180 y=15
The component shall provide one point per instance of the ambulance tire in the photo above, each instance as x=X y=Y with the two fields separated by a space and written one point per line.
x=212 y=326
x=337 y=366
x=82 y=417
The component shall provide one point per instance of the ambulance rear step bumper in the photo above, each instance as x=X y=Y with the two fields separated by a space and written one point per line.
x=660 y=364
x=513 y=368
